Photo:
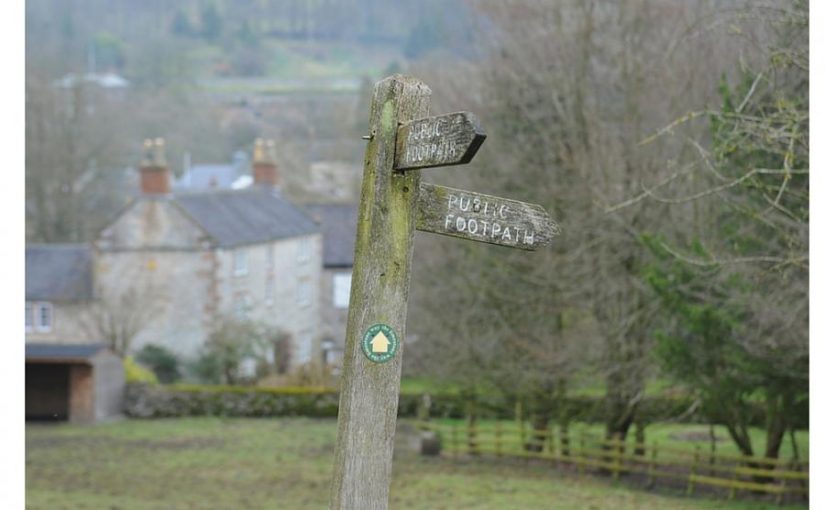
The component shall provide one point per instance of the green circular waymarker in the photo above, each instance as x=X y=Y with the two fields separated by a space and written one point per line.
x=379 y=343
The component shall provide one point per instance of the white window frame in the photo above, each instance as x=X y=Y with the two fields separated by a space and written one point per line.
x=38 y=317
x=242 y=306
x=341 y=282
x=304 y=347
x=29 y=316
x=304 y=250
x=304 y=293
x=270 y=256
x=240 y=263
x=269 y=291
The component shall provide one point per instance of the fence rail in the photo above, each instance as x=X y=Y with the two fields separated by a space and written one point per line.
x=695 y=467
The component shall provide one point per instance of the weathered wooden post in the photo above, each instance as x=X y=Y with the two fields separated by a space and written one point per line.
x=394 y=203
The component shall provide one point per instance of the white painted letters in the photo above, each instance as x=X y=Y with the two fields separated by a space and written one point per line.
x=478 y=207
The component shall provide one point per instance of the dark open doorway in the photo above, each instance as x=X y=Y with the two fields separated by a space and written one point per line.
x=47 y=392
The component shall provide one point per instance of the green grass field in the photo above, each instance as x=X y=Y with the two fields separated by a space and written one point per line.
x=285 y=463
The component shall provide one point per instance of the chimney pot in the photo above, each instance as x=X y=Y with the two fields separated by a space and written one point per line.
x=154 y=174
x=264 y=169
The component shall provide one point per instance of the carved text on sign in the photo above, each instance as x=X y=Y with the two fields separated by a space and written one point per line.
x=494 y=226
x=444 y=140
x=484 y=218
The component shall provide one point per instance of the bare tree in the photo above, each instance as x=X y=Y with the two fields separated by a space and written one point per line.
x=118 y=317
x=566 y=92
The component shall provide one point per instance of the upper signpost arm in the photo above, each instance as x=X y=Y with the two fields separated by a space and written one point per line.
x=443 y=140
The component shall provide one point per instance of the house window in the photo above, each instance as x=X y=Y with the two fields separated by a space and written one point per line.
x=43 y=317
x=248 y=367
x=270 y=256
x=340 y=289
x=304 y=350
x=304 y=297
x=269 y=291
x=29 y=317
x=240 y=264
x=242 y=306
x=304 y=250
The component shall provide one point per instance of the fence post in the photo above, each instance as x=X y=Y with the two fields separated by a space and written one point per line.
x=617 y=458
x=498 y=438
x=580 y=456
x=781 y=493
x=564 y=440
x=472 y=442
x=732 y=492
x=520 y=419
x=455 y=441
x=691 y=479
x=712 y=451
x=551 y=440
x=651 y=466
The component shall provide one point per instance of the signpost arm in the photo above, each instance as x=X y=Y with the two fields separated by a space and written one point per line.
x=380 y=284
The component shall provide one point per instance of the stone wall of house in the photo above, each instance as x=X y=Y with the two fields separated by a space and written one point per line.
x=170 y=291
x=333 y=316
x=68 y=325
x=109 y=385
x=155 y=258
x=292 y=269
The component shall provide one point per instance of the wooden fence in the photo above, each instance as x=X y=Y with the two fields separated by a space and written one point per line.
x=651 y=462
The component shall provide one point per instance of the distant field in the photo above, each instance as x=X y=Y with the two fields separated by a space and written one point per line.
x=297 y=67
x=212 y=463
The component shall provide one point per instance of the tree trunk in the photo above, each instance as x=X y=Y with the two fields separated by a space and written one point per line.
x=639 y=448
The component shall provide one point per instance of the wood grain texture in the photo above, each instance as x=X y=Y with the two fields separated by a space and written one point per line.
x=443 y=140
x=380 y=284
x=484 y=218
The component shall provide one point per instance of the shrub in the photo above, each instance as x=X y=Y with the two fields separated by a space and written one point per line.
x=161 y=361
x=136 y=373
x=207 y=368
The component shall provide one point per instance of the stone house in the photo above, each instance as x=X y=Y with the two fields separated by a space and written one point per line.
x=59 y=289
x=186 y=259
x=338 y=224
x=67 y=377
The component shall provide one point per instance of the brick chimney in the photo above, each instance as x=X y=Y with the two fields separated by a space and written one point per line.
x=154 y=173
x=264 y=170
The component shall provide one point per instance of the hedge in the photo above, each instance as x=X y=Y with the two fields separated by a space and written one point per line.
x=155 y=401
x=147 y=401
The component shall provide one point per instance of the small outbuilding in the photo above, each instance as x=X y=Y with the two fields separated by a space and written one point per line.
x=79 y=383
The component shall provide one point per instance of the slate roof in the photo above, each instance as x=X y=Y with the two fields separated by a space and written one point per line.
x=59 y=272
x=36 y=352
x=247 y=216
x=338 y=224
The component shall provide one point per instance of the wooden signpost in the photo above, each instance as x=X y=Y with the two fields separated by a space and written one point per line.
x=394 y=203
